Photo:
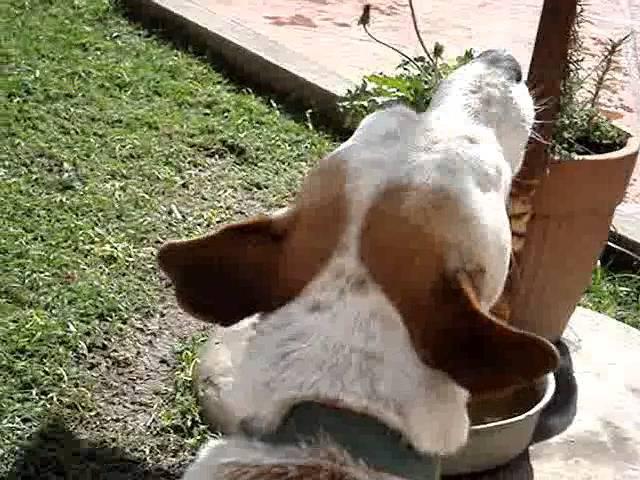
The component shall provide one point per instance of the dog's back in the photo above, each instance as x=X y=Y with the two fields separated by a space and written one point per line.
x=241 y=459
x=375 y=286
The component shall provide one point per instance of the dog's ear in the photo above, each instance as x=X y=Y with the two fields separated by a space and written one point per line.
x=230 y=274
x=479 y=351
x=443 y=317
x=260 y=264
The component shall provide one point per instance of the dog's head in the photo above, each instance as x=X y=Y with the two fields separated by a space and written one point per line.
x=367 y=215
x=490 y=92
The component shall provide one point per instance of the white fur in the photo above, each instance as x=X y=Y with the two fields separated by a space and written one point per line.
x=473 y=138
x=355 y=348
x=348 y=345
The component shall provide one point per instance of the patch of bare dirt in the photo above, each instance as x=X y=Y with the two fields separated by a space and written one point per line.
x=135 y=383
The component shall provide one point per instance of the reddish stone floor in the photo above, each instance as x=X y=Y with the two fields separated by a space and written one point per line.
x=326 y=32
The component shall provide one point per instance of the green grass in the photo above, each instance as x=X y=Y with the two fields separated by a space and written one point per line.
x=616 y=295
x=112 y=142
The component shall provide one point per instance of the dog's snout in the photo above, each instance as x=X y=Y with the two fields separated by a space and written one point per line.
x=503 y=61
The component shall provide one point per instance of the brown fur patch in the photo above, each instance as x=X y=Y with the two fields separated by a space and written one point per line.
x=502 y=309
x=319 y=461
x=313 y=471
x=260 y=264
x=441 y=311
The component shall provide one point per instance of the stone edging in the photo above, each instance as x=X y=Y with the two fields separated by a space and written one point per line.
x=247 y=52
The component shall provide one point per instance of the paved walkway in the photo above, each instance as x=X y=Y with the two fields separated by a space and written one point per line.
x=603 y=442
x=326 y=32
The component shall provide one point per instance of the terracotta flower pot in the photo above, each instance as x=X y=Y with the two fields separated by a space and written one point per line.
x=573 y=208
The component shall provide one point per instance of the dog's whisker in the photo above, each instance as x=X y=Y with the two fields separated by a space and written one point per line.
x=581 y=147
x=535 y=136
x=540 y=108
x=543 y=104
x=535 y=91
x=541 y=101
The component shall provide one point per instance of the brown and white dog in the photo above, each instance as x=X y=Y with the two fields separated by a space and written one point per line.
x=374 y=287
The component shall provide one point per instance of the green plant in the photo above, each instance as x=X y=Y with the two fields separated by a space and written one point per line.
x=580 y=128
x=413 y=84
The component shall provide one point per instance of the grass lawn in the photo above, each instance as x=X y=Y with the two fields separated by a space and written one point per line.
x=616 y=295
x=116 y=141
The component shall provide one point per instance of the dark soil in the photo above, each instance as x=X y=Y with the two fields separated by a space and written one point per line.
x=134 y=383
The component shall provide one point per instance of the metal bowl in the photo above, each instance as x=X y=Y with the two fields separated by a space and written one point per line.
x=495 y=443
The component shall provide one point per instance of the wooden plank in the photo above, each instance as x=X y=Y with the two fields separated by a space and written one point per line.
x=546 y=72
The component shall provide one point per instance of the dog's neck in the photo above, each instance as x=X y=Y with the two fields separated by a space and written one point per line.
x=363 y=437
x=341 y=339
x=311 y=350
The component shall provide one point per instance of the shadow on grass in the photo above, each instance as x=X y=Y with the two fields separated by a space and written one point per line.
x=54 y=452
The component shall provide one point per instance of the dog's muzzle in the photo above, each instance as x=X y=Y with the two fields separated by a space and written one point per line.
x=503 y=61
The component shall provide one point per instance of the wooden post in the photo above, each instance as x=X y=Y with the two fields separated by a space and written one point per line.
x=546 y=72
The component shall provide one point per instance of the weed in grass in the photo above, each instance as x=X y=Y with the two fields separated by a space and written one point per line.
x=181 y=414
